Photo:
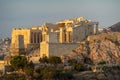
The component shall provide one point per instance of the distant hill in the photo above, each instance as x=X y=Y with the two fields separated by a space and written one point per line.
x=113 y=28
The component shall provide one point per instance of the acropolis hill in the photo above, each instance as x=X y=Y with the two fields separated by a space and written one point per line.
x=52 y=39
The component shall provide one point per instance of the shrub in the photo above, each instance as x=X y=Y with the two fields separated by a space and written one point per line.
x=44 y=60
x=72 y=61
x=102 y=63
x=51 y=73
x=79 y=67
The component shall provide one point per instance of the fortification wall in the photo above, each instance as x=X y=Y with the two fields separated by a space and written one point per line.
x=44 y=49
x=58 y=49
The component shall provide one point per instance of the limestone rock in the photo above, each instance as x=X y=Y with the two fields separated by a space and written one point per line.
x=102 y=47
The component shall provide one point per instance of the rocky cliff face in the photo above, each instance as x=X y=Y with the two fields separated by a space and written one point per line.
x=102 y=47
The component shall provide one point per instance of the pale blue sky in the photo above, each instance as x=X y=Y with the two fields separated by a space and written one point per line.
x=25 y=13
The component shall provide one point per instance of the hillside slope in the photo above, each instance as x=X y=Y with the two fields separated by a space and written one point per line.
x=113 y=28
x=102 y=47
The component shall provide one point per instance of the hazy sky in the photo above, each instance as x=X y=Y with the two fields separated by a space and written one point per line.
x=25 y=13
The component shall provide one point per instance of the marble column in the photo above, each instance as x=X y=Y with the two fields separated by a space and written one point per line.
x=36 y=38
x=96 y=28
x=39 y=37
x=70 y=36
x=67 y=37
x=61 y=35
x=32 y=37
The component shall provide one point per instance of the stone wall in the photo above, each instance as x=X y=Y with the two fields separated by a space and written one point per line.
x=44 y=49
x=56 y=49
x=53 y=37
x=78 y=34
x=81 y=32
x=31 y=47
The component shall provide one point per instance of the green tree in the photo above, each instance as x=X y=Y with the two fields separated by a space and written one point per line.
x=51 y=73
x=101 y=62
x=18 y=62
x=44 y=59
x=64 y=75
x=87 y=60
x=13 y=76
x=52 y=60
x=72 y=61
x=55 y=60
x=29 y=69
x=48 y=72
x=79 y=67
